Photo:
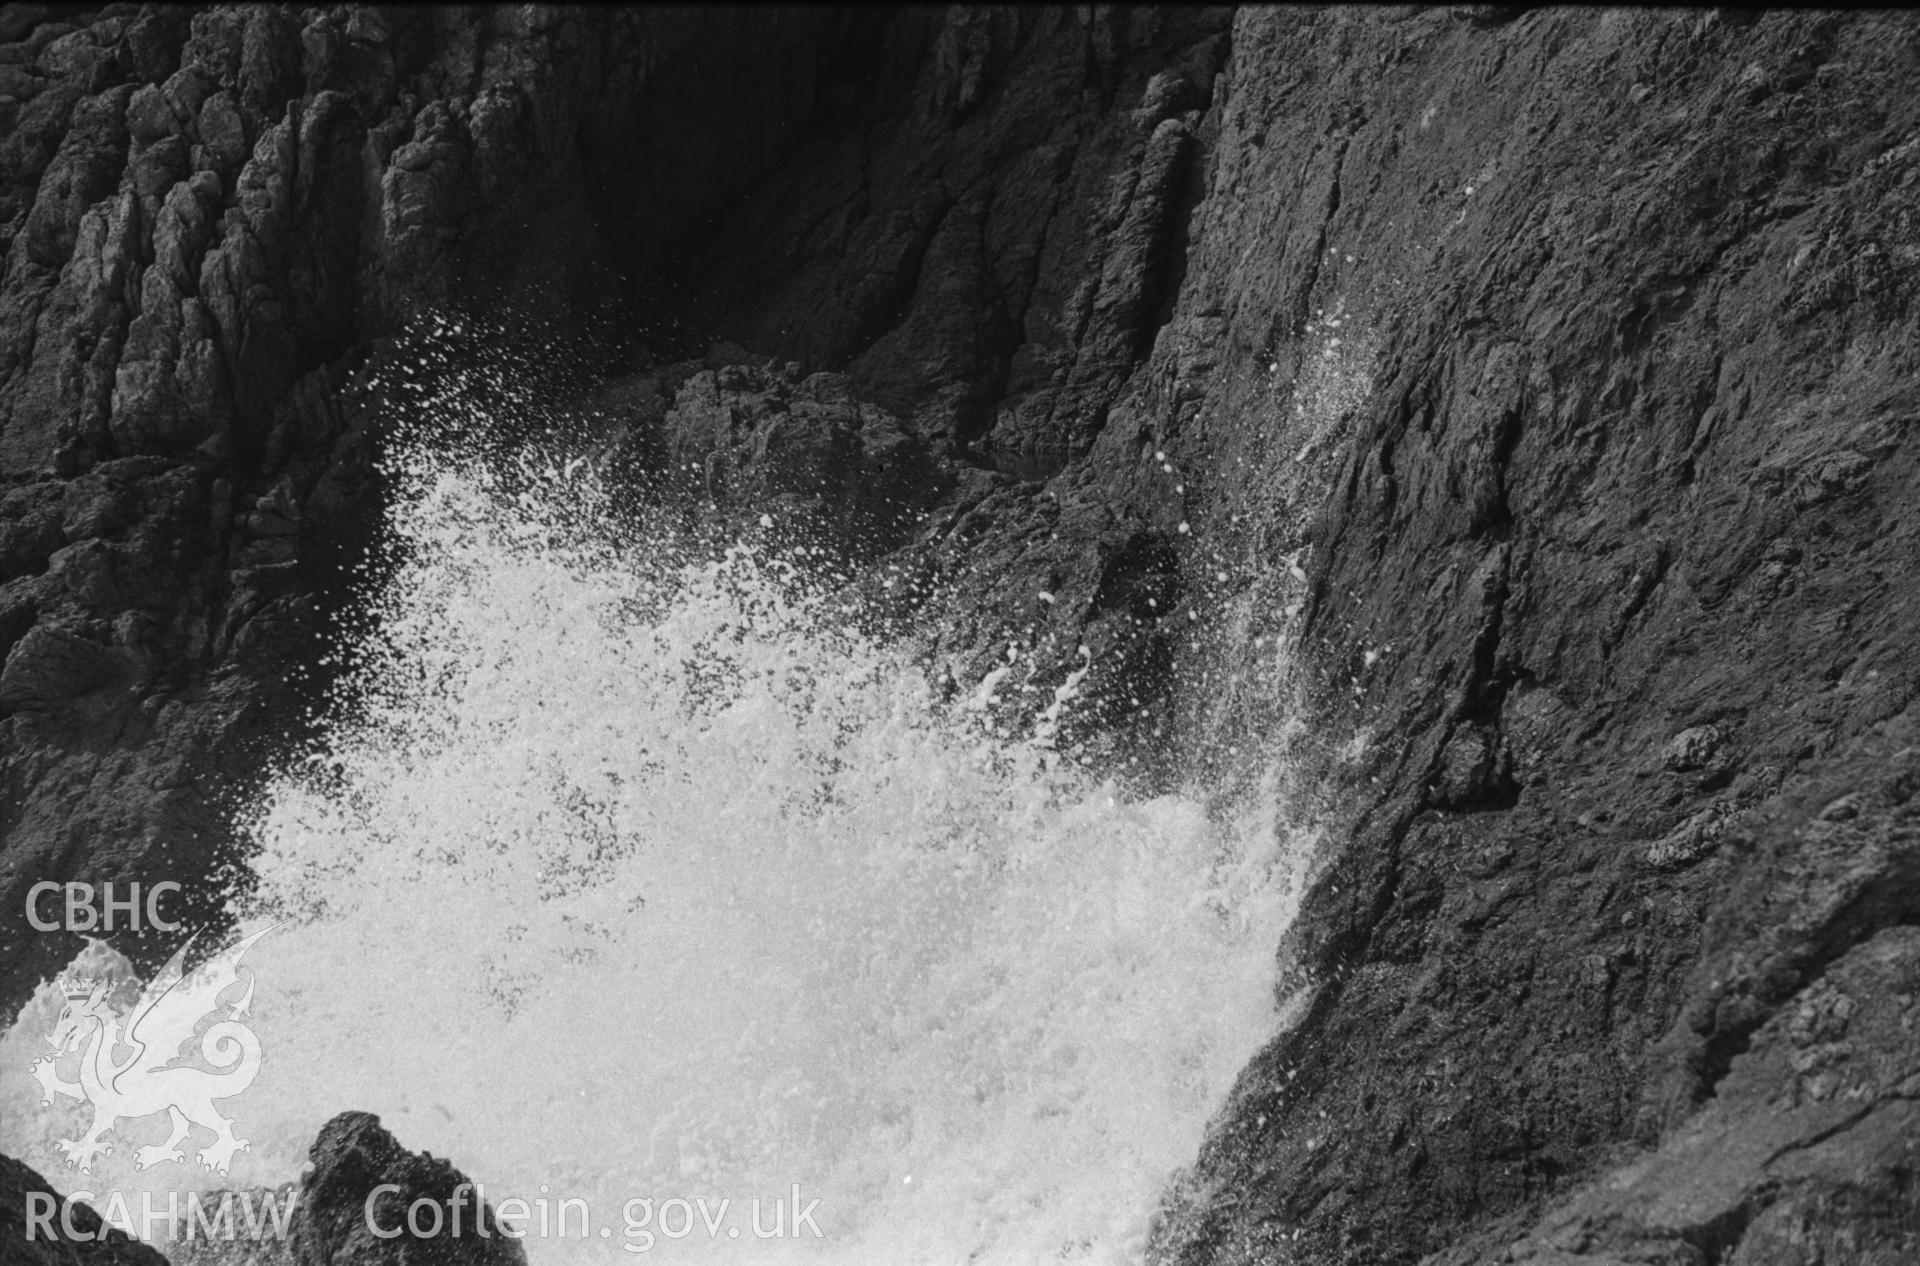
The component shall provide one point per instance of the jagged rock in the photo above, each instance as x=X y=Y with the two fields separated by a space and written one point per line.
x=1472 y=767
x=1692 y=748
x=1529 y=385
x=1496 y=984
x=97 y=1244
x=351 y=1157
x=50 y=664
x=30 y=529
x=799 y=447
x=1803 y=1156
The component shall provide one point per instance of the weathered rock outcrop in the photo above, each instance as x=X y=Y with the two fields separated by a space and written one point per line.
x=1508 y=412
x=352 y=1160
x=1613 y=547
x=36 y=1234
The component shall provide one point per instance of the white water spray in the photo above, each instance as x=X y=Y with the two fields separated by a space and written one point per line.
x=618 y=876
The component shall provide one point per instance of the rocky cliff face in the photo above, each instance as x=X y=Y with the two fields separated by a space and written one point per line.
x=1609 y=599
x=1509 y=413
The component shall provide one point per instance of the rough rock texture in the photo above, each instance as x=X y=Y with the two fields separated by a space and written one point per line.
x=100 y=1245
x=1506 y=413
x=1615 y=545
x=353 y=1156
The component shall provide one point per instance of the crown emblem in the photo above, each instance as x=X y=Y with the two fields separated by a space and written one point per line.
x=76 y=987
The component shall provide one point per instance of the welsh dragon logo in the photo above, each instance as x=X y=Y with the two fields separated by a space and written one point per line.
x=151 y=1078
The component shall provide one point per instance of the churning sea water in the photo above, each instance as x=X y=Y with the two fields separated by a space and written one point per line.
x=626 y=875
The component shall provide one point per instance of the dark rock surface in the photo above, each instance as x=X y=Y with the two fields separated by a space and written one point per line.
x=1617 y=547
x=352 y=1157
x=340 y=1215
x=1508 y=413
x=97 y=1244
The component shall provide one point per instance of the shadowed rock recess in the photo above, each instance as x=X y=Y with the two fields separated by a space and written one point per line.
x=1510 y=411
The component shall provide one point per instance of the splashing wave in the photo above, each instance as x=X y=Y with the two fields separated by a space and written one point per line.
x=622 y=873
